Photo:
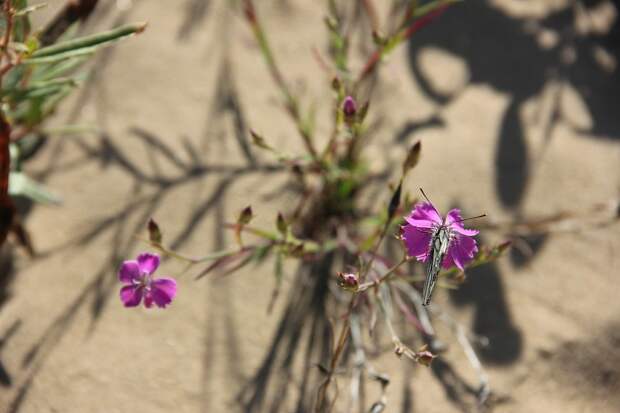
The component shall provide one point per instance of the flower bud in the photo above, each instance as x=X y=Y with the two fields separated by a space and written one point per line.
x=154 y=232
x=281 y=225
x=424 y=357
x=349 y=107
x=348 y=281
x=245 y=216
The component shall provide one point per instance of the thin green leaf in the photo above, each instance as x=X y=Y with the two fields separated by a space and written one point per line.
x=60 y=56
x=90 y=41
x=21 y=184
x=62 y=68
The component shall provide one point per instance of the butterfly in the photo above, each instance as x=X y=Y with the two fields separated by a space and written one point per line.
x=442 y=234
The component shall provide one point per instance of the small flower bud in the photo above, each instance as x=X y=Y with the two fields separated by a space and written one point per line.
x=378 y=38
x=348 y=281
x=399 y=350
x=503 y=246
x=424 y=357
x=349 y=107
x=245 y=216
x=259 y=141
x=412 y=158
x=154 y=232
x=331 y=23
x=281 y=225
x=336 y=84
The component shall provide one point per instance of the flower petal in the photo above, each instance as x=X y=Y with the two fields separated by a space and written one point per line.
x=131 y=296
x=424 y=215
x=462 y=250
x=447 y=262
x=129 y=271
x=163 y=290
x=148 y=262
x=148 y=299
x=454 y=220
x=418 y=241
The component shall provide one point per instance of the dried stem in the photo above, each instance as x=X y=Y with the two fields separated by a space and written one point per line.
x=565 y=221
x=484 y=389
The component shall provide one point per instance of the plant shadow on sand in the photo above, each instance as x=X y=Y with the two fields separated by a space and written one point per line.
x=505 y=52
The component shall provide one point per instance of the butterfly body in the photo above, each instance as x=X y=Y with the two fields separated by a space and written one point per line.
x=440 y=241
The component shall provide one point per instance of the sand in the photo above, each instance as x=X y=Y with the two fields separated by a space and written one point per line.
x=517 y=121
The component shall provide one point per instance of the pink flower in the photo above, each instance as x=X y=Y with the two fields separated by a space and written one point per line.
x=137 y=274
x=424 y=221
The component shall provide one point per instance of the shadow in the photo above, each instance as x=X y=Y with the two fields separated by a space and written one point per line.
x=268 y=389
x=511 y=159
x=589 y=367
x=457 y=391
x=7 y=274
x=525 y=249
x=413 y=127
x=220 y=313
x=483 y=289
x=506 y=53
x=196 y=12
x=6 y=379
x=407 y=398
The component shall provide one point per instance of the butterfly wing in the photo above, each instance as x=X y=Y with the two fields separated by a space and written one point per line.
x=439 y=247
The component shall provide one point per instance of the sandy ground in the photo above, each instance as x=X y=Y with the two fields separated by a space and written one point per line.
x=518 y=118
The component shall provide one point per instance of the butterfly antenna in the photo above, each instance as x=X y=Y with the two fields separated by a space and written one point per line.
x=476 y=217
x=425 y=197
x=429 y=201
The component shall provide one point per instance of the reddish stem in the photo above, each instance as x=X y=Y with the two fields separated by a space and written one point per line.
x=7 y=210
x=371 y=64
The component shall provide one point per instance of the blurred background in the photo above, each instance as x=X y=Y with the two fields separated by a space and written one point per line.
x=517 y=105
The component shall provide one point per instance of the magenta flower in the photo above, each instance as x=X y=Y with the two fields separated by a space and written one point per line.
x=425 y=221
x=138 y=275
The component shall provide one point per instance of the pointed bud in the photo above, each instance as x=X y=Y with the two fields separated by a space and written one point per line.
x=154 y=232
x=259 y=141
x=281 y=224
x=336 y=84
x=331 y=23
x=378 y=38
x=245 y=216
x=250 y=13
x=412 y=158
x=503 y=246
